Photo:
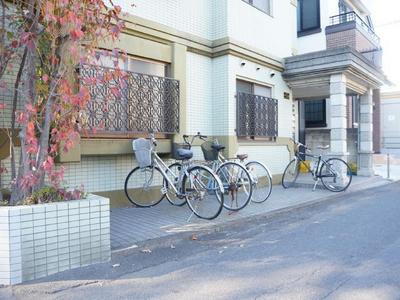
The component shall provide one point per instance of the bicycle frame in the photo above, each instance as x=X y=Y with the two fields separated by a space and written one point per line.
x=317 y=173
x=158 y=162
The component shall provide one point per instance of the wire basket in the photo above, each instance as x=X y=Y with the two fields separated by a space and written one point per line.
x=142 y=149
x=176 y=147
x=209 y=153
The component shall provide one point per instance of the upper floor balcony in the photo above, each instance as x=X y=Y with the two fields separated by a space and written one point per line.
x=350 y=29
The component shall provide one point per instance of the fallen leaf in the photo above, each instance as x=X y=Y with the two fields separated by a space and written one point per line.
x=116 y=265
x=194 y=237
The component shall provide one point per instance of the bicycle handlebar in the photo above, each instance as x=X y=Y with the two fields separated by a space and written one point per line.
x=198 y=135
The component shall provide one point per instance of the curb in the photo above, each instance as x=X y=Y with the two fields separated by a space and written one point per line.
x=166 y=241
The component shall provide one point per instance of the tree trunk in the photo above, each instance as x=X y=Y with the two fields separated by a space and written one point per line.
x=14 y=109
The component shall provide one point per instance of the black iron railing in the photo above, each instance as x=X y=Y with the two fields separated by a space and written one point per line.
x=130 y=103
x=257 y=116
x=354 y=17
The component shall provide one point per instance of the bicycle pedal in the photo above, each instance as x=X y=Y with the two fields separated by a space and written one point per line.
x=164 y=190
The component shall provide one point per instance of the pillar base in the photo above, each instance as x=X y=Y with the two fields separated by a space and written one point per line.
x=366 y=166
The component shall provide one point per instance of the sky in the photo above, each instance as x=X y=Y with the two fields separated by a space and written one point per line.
x=386 y=18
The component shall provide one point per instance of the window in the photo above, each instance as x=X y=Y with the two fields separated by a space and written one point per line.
x=253 y=88
x=263 y=5
x=257 y=112
x=315 y=113
x=140 y=100
x=308 y=17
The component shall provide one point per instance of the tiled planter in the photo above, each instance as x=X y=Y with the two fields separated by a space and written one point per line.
x=39 y=240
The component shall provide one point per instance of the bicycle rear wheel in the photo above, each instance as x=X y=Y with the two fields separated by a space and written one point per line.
x=291 y=173
x=173 y=172
x=143 y=187
x=203 y=191
x=336 y=175
x=237 y=184
x=262 y=181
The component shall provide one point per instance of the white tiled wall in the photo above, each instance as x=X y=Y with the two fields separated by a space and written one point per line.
x=222 y=110
x=273 y=35
x=99 y=173
x=199 y=94
x=194 y=16
x=275 y=158
x=40 y=240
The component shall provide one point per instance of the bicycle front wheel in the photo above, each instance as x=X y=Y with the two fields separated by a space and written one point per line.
x=173 y=172
x=203 y=192
x=237 y=184
x=143 y=187
x=336 y=175
x=291 y=173
x=261 y=180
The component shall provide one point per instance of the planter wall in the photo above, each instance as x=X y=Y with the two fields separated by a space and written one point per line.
x=40 y=240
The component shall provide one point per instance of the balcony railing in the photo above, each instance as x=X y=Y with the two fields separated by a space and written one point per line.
x=130 y=103
x=257 y=116
x=354 y=17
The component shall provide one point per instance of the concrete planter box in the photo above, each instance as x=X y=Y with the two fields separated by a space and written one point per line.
x=43 y=239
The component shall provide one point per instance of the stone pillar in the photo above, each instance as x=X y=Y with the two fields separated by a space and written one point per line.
x=365 y=165
x=338 y=102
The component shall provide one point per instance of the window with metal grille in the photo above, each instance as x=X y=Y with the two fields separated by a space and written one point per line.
x=257 y=111
x=144 y=99
x=315 y=113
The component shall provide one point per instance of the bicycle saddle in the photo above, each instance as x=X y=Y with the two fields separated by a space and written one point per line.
x=217 y=147
x=184 y=154
x=242 y=156
x=323 y=147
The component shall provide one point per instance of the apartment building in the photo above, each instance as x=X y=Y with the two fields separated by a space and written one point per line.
x=251 y=73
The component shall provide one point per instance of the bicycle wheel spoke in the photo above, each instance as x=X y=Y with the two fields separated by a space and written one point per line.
x=237 y=185
x=197 y=186
x=261 y=181
x=143 y=187
x=335 y=175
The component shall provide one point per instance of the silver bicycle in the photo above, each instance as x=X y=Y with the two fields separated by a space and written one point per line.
x=234 y=176
x=259 y=174
x=147 y=184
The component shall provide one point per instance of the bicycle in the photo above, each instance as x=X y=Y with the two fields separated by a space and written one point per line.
x=334 y=173
x=145 y=185
x=260 y=176
x=235 y=179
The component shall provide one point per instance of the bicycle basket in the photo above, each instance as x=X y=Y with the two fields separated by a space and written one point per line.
x=142 y=149
x=209 y=153
x=175 y=147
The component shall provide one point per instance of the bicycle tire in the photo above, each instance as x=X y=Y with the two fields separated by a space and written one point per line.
x=262 y=196
x=324 y=179
x=237 y=183
x=213 y=188
x=171 y=195
x=132 y=187
x=295 y=164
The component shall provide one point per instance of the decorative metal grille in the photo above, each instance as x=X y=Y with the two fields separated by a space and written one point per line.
x=142 y=103
x=256 y=115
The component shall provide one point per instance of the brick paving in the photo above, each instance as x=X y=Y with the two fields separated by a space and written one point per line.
x=132 y=225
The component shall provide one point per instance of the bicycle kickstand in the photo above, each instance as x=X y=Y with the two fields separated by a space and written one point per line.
x=315 y=184
x=190 y=217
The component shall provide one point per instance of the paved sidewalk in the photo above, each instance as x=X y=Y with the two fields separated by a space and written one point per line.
x=135 y=225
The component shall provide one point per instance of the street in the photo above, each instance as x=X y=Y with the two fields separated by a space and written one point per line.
x=343 y=249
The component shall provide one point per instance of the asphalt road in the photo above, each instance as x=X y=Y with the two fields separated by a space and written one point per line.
x=345 y=249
